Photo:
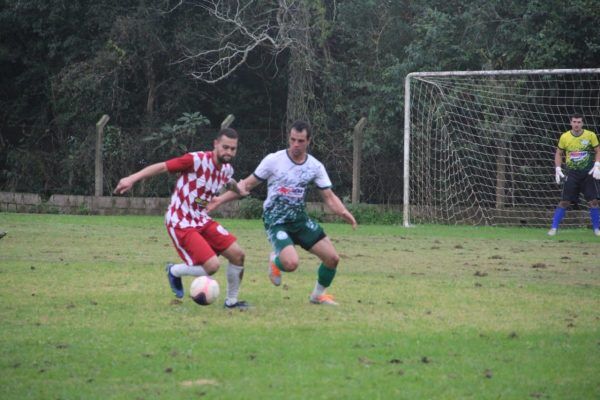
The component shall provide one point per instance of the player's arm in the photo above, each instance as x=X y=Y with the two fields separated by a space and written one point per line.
x=595 y=171
x=558 y=157
x=233 y=186
x=243 y=189
x=127 y=183
x=335 y=204
x=250 y=182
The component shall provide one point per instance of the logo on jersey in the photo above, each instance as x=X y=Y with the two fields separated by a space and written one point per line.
x=295 y=192
x=576 y=156
x=201 y=202
x=281 y=235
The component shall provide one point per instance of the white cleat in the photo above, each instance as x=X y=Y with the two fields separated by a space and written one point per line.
x=552 y=232
x=597 y=232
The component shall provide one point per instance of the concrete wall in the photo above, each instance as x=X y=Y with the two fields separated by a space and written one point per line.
x=124 y=205
x=101 y=205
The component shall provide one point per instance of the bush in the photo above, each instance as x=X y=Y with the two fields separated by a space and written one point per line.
x=250 y=208
x=372 y=214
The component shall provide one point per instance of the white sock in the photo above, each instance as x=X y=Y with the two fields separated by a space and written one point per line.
x=234 y=278
x=318 y=290
x=180 y=270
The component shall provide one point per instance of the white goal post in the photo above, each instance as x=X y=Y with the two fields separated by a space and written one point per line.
x=479 y=145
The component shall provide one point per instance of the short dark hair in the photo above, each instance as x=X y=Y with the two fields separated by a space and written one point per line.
x=300 y=126
x=576 y=115
x=229 y=132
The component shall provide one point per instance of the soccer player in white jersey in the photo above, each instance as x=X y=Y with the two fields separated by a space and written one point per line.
x=288 y=173
x=199 y=239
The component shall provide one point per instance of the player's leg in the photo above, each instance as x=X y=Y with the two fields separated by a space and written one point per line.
x=284 y=257
x=329 y=257
x=591 y=192
x=226 y=244
x=235 y=274
x=570 y=192
x=312 y=238
x=199 y=258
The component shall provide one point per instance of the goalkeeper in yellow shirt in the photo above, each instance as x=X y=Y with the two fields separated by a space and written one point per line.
x=582 y=157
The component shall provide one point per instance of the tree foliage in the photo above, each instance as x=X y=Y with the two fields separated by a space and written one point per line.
x=147 y=63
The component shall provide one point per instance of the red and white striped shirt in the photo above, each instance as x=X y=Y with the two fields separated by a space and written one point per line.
x=199 y=182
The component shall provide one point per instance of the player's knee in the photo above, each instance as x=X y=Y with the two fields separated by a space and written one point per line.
x=241 y=258
x=290 y=264
x=593 y=203
x=237 y=258
x=564 y=204
x=211 y=265
x=332 y=261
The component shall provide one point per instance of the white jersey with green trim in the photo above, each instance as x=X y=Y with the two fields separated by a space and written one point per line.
x=287 y=182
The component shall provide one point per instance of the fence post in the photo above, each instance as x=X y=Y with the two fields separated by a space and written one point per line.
x=227 y=121
x=99 y=166
x=356 y=158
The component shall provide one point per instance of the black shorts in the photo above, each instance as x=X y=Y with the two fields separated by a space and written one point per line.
x=580 y=182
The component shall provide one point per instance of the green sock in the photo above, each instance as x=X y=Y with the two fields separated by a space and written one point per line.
x=278 y=264
x=325 y=275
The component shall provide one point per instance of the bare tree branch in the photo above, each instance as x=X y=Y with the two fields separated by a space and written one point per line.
x=241 y=27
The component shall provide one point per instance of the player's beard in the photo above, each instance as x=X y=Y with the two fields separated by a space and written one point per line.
x=224 y=159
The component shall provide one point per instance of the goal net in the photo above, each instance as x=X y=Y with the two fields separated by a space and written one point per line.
x=479 y=146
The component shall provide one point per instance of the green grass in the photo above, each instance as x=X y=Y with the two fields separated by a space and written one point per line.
x=438 y=312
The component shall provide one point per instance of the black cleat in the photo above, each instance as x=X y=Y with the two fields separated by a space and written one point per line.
x=241 y=305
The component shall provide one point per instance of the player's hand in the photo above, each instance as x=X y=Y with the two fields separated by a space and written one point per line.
x=124 y=185
x=238 y=188
x=243 y=188
x=559 y=175
x=595 y=171
x=213 y=205
x=347 y=215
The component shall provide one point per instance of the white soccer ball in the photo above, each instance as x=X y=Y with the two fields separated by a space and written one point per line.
x=204 y=290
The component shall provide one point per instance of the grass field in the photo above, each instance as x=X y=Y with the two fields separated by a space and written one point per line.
x=431 y=312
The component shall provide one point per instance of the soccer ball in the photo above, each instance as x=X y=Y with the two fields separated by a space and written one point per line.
x=204 y=290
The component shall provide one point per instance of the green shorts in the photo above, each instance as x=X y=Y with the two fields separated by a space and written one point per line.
x=305 y=233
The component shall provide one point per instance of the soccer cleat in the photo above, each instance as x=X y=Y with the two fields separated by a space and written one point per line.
x=597 y=232
x=174 y=282
x=552 y=232
x=241 y=305
x=274 y=272
x=326 y=299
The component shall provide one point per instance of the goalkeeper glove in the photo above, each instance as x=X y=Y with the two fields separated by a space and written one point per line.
x=595 y=171
x=559 y=175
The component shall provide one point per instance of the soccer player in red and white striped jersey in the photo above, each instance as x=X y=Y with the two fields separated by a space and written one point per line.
x=198 y=238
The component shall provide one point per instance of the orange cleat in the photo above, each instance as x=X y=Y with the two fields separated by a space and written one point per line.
x=326 y=299
x=274 y=272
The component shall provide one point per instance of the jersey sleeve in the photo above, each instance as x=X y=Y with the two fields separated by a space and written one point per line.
x=180 y=164
x=265 y=168
x=562 y=142
x=322 y=180
x=594 y=140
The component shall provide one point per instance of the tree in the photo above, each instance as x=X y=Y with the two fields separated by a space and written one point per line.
x=280 y=28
